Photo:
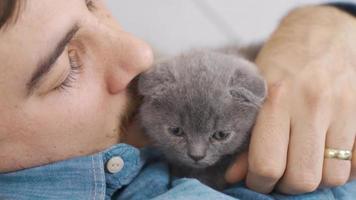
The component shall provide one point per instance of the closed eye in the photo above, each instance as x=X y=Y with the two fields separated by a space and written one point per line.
x=75 y=69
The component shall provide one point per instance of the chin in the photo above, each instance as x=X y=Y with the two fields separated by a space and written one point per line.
x=127 y=115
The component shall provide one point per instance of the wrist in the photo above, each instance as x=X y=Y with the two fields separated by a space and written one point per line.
x=305 y=35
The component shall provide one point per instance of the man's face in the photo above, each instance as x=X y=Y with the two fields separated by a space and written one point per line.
x=65 y=66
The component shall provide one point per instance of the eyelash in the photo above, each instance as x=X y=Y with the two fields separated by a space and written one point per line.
x=75 y=68
x=73 y=61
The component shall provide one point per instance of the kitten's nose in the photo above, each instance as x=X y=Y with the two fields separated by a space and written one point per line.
x=196 y=157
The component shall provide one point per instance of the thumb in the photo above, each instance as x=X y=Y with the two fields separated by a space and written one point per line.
x=238 y=170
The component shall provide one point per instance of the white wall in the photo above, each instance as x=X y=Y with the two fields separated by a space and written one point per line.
x=171 y=26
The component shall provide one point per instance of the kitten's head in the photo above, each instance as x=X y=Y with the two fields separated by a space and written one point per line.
x=200 y=106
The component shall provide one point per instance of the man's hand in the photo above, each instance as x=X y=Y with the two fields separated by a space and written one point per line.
x=310 y=66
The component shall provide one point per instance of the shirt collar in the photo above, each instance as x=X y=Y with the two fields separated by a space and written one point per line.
x=79 y=178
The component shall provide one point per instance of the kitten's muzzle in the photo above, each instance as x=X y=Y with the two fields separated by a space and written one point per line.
x=196 y=157
x=197 y=150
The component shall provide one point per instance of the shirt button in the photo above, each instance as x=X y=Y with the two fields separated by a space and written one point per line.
x=115 y=164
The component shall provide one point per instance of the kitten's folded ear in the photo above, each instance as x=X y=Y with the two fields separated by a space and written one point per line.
x=247 y=85
x=156 y=81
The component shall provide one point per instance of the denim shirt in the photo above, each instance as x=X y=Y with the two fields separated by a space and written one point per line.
x=140 y=175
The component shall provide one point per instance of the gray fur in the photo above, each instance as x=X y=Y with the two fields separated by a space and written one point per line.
x=201 y=92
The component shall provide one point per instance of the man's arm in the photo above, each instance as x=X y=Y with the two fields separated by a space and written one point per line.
x=304 y=35
x=310 y=65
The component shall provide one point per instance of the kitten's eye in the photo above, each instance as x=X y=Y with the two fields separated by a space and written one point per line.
x=220 y=135
x=176 y=131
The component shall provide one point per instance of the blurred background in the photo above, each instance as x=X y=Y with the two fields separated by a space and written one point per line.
x=172 y=26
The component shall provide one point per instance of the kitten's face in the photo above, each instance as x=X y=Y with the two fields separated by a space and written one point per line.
x=199 y=137
x=200 y=116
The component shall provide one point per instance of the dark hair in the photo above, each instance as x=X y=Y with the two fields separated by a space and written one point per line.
x=8 y=11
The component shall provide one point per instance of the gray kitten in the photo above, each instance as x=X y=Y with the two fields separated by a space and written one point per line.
x=198 y=108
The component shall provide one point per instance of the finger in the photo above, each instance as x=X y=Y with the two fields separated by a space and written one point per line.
x=341 y=135
x=306 y=151
x=353 y=163
x=269 y=142
x=237 y=171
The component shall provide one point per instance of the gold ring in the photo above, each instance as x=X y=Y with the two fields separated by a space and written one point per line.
x=338 y=154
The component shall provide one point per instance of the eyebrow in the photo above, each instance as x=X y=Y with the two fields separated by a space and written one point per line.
x=45 y=65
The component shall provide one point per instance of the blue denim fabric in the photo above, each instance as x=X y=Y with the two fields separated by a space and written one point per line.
x=143 y=176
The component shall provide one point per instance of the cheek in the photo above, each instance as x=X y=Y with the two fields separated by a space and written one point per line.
x=224 y=148
x=172 y=145
x=236 y=142
x=212 y=156
x=216 y=150
x=84 y=120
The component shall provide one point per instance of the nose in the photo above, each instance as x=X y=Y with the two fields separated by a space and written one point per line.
x=133 y=57
x=197 y=149
x=196 y=157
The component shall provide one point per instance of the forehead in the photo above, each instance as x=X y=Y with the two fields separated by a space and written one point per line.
x=23 y=42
